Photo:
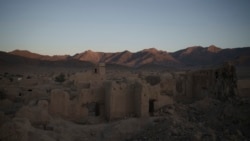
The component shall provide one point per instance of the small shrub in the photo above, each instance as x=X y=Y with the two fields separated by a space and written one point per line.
x=28 y=77
x=11 y=79
x=60 y=78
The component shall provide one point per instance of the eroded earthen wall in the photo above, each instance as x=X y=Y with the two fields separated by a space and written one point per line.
x=119 y=100
x=219 y=83
x=59 y=103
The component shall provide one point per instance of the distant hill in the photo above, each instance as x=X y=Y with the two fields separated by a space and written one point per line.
x=20 y=58
x=212 y=55
x=191 y=56
x=31 y=55
x=126 y=58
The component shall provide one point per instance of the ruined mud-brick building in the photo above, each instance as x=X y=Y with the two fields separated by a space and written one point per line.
x=139 y=97
x=219 y=83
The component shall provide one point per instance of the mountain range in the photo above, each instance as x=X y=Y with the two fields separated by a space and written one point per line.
x=191 y=56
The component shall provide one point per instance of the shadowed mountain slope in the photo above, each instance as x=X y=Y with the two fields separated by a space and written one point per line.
x=191 y=56
x=9 y=59
x=211 y=55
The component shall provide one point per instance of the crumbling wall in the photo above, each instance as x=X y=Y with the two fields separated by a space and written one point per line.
x=225 y=84
x=168 y=86
x=101 y=71
x=203 y=82
x=59 y=103
x=141 y=100
x=108 y=92
x=91 y=95
x=119 y=100
x=62 y=106
x=180 y=85
x=92 y=100
x=74 y=108
x=157 y=96
x=220 y=83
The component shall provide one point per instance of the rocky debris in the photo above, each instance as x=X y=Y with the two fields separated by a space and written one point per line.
x=16 y=129
x=208 y=119
x=38 y=115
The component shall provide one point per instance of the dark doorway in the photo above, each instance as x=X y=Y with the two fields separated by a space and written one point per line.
x=151 y=107
x=97 y=109
x=94 y=109
x=95 y=70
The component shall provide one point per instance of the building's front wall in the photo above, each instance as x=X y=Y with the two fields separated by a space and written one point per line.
x=119 y=100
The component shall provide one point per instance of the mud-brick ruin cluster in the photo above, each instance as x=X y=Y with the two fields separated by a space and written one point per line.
x=107 y=94
x=54 y=100
x=139 y=96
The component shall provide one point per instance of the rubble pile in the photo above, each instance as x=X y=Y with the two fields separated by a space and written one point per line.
x=207 y=119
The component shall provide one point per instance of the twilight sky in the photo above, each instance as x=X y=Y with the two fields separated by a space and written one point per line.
x=72 y=26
